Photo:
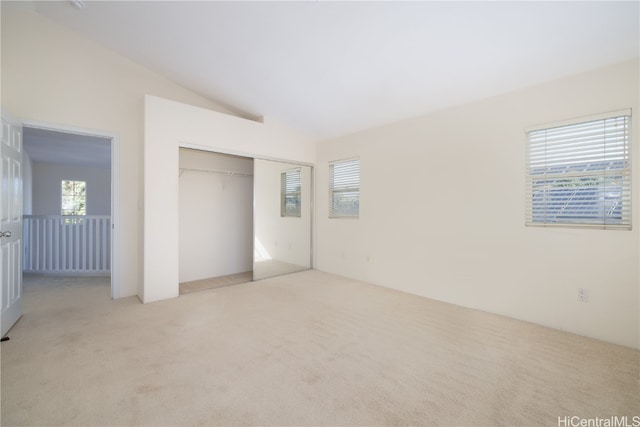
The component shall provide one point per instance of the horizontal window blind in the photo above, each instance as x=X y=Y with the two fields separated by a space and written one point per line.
x=344 y=188
x=580 y=174
x=290 y=193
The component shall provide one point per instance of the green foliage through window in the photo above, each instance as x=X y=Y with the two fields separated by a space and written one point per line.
x=74 y=198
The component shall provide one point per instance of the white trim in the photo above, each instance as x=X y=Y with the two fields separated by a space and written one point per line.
x=577 y=120
x=583 y=226
x=115 y=188
x=346 y=159
x=218 y=150
x=115 y=217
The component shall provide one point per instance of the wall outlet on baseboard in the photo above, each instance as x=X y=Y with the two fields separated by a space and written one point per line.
x=583 y=295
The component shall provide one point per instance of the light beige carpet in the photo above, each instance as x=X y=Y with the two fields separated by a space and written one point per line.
x=215 y=282
x=304 y=349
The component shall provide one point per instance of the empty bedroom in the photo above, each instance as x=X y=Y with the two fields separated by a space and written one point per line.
x=322 y=213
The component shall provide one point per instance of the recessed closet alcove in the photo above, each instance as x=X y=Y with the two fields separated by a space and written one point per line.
x=241 y=219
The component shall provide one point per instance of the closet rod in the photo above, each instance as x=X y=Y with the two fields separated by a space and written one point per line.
x=227 y=173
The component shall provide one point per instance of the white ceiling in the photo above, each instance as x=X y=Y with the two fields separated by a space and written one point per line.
x=332 y=68
x=48 y=146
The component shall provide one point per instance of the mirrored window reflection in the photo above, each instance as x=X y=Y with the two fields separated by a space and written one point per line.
x=282 y=218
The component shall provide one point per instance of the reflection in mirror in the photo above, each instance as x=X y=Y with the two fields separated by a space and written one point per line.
x=282 y=218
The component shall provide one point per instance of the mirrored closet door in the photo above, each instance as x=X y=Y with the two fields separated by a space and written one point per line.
x=282 y=218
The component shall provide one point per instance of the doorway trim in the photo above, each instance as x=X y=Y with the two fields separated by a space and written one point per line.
x=115 y=188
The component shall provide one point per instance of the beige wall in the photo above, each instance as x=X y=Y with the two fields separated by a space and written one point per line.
x=47 y=189
x=442 y=213
x=50 y=74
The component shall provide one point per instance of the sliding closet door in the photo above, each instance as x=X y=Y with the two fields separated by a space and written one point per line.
x=282 y=218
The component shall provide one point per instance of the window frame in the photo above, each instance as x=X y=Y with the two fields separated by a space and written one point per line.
x=565 y=156
x=75 y=195
x=347 y=187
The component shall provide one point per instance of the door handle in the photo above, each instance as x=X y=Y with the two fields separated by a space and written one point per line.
x=5 y=234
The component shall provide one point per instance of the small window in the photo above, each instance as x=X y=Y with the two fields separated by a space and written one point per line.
x=290 y=191
x=74 y=198
x=579 y=174
x=344 y=189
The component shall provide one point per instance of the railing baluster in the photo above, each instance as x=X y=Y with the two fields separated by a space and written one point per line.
x=43 y=244
x=67 y=244
x=58 y=247
x=103 y=252
x=49 y=222
x=32 y=245
x=63 y=245
x=37 y=245
x=99 y=245
x=91 y=249
x=84 y=246
x=74 y=249
x=107 y=244
x=99 y=238
x=26 y=244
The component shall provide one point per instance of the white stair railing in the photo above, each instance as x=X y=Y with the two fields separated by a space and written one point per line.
x=67 y=244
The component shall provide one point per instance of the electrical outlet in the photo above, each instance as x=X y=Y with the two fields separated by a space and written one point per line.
x=583 y=295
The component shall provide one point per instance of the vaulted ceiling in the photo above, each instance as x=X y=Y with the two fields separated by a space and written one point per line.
x=332 y=68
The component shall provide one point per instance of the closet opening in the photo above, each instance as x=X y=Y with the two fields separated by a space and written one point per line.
x=241 y=219
x=215 y=220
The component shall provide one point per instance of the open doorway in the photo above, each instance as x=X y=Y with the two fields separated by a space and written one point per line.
x=69 y=192
x=215 y=220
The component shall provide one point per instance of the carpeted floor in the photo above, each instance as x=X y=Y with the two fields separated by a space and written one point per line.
x=303 y=349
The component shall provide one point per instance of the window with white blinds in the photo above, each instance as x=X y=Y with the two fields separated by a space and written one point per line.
x=344 y=188
x=290 y=193
x=579 y=174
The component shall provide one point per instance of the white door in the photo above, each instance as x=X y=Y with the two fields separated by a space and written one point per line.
x=10 y=224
